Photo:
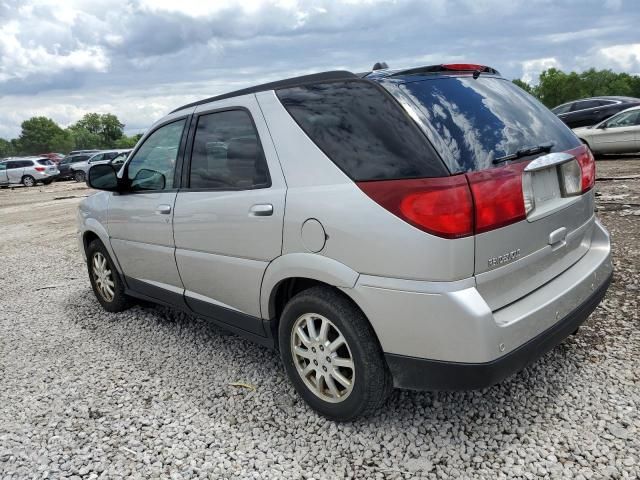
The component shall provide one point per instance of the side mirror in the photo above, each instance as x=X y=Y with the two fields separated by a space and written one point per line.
x=103 y=177
x=147 y=179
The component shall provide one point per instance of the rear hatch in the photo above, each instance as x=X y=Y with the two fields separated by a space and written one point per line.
x=519 y=158
x=46 y=165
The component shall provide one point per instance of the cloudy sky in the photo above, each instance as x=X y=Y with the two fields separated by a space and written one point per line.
x=141 y=58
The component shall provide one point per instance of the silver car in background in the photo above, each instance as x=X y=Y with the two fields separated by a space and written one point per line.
x=117 y=157
x=27 y=171
x=618 y=134
x=410 y=228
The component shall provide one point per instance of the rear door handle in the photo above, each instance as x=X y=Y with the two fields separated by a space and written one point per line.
x=261 y=210
x=164 y=209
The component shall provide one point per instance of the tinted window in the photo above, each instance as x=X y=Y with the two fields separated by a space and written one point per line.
x=65 y=160
x=79 y=158
x=153 y=165
x=227 y=153
x=606 y=102
x=3 y=166
x=586 y=104
x=626 y=119
x=45 y=162
x=562 y=108
x=473 y=121
x=362 y=130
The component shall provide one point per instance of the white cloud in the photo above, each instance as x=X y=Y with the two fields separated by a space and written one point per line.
x=626 y=57
x=531 y=69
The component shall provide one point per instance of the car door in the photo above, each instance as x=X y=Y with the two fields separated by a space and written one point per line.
x=15 y=169
x=583 y=113
x=3 y=174
x=140 y=219
x=618 y=134
x=229 y=216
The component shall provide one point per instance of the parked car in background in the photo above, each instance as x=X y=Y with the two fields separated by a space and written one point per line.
x=589 y=111
x=54 y=157
x=76 y=152
x=618 y=134
x=430 y=228
x=27 y=171
x=66 y=164
x=80 y=169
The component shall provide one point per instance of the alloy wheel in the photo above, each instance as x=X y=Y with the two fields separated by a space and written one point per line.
x=322 y=357
x=103 y=277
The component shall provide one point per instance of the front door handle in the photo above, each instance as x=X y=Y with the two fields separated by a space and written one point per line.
x=164 y=209
x=261 y=210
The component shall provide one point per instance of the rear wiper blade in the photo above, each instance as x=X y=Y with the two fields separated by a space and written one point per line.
x=524 y=152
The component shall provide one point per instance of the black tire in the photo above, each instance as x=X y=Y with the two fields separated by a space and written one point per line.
x=120 y=301
x=78 y=176
x=28 y=181
x=47 y=182
x=372 y=382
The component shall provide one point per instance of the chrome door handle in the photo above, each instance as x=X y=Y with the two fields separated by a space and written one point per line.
x=261 y=210
x=164 y=209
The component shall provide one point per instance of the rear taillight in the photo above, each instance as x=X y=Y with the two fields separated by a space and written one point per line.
x=40 y=169
x=441 y=206
x=497 y=195
x=587 y=165
x=473 y=203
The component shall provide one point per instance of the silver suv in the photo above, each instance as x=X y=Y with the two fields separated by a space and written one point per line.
x=430 y=228
x=28 y=171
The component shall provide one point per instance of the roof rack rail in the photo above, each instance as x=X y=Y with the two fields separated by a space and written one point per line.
x=447 y=67
x=289 y=82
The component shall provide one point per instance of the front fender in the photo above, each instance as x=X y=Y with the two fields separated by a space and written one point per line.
x=302 y=265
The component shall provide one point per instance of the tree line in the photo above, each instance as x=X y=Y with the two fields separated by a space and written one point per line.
x=556 y=87
x=94 y=130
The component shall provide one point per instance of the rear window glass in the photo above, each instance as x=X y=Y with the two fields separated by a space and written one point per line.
x=362 y=130
x=473 y=121
x=45 y=162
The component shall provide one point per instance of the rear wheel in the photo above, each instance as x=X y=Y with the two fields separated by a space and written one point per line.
x=332 y=355
x=47 y=182
x=105 y=281
x=28 y=181
x=78 y=176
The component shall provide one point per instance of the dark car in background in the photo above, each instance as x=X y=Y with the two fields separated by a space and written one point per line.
x=66 y=164
x=589 y=111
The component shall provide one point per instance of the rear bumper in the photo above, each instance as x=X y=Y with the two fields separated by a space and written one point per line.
x=444 y=335
x=422 y=374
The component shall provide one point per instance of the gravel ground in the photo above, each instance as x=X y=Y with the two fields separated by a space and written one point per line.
x=148 y=393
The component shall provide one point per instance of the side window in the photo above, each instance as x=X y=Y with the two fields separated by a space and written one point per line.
x=14 y=164
x=153 y=165
x=627 y=119
x=562 y=108
x=227 y=153
x=586 y=104
x=362 y=130
x=3 y=166
x=96 y=158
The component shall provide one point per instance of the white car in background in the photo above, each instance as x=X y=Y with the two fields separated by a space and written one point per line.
x=114 y=157
x=617 y=134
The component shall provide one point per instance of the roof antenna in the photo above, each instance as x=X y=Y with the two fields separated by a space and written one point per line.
x=380 y=66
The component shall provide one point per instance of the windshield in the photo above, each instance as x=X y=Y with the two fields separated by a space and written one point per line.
x=471 y=121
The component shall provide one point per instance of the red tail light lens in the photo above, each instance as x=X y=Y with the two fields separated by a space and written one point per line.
x=441 y=206
x=587 y=164
x=40 y=169
x=497 y=194
x=463 y=66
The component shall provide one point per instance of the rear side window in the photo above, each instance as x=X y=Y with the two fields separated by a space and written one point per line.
x=473 y=121
x=227 y=154
x=362 y=130
x=79 y=158
x=562 y=108
x=586 y=104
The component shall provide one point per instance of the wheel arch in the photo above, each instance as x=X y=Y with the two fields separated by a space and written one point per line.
x=294 y=272
x=93 y=230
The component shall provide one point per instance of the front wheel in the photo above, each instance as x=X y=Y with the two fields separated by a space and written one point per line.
x=105 y=281
x=78 y=176
x=332 y=356
x=28 y=181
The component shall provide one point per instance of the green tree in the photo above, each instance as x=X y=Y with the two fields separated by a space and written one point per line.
x=6 y=148
x=39 y=135
x=105 y=127
x=128 y=142
x=523 y=85
x=83 y=138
